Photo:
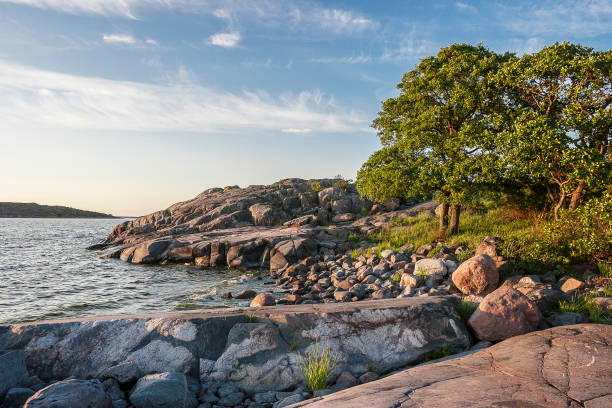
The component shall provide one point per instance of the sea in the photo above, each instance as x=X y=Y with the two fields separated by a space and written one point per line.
x=46 y=273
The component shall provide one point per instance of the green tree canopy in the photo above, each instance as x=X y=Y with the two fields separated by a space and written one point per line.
x=437 y=136
x=559 y=121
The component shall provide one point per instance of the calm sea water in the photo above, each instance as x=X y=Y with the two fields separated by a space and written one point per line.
x=46 y=273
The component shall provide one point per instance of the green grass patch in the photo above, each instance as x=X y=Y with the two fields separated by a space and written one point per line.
x=445 y=350
x=586 y=306
x=466 y=309
x=317 y=367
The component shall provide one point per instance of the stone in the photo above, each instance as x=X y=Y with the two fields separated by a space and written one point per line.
x=163 y=390
x=565 y=319
x=160 y=356
x=476 y=276
x=387 y=253
x=245 y=294
x=231 y=400
x=409 y=280
x=504 y=313
x=604 y=303
x=13 y=371
x=264 y=214
x=126 y=373
x=16 y=397
x=347 y=379
x=569 y=366
x=430 y=267
x=263 y=299
x=571 y=285
x=71 y=394
x=368 y=377
x=489 y=246
x=292 y=399
x=342 y=296
x=546 y=296
x=267 y=397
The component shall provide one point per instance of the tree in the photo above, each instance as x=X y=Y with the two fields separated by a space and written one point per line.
x=559 y=131
x=437 y=137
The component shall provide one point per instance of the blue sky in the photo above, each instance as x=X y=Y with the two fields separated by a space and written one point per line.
x=127 y=106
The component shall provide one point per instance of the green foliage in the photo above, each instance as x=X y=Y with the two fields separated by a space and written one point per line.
x=436 y=135
x=293 y=346
x=364 y=211
x=466 y=309
x=586 y=306
x=317 y=367
x=397 y=276
x=250 y=318
x=464 y=256
x=315 y=185
x=445 y=350
x=421 y=273
x=342 y=183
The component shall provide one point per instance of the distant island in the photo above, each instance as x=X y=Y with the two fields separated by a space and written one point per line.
x=33 y=210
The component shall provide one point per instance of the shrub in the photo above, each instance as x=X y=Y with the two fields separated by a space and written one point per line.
x=315 y=185
x=342 y=184
x=445 y=350
x=317 y=367
x=397 y=276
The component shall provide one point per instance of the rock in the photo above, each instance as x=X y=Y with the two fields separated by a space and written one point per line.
x=245 y=294
x=424 y=249
x=263 y=299
x=411 y=281
x=342 y=296
x=126 y=373
x=504 y=313
x=571 y=285
x=568 y=366
x=546 y=296
x=347 y=379
x=368 y=377
x=323 y=392
x=267 y=397
x=343 y=217
x=489 y=246
x=387 y=253
x=71 y=394
x=231 y=400
x=160 y=356
x=604 y=303
x=16 y=397
x=290 y=251
x=292 y=399
x=430 y=267
x=13 y=371
x=476 y=276
x=163 y=390
x=264 y=214
x=565 y=319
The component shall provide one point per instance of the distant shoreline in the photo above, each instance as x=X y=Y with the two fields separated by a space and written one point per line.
x=33 y=210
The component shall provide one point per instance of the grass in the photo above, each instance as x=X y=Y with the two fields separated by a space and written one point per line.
x=586 y=306
x=250 y=318
x=317 y=367
x=293 y=346
x=445 y=350
x=397 y=276
x=466 y=309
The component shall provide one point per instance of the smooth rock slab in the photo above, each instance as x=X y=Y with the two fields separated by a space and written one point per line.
x=13 y=371
x=554 y=368
x=71 y=394
x=164 y=390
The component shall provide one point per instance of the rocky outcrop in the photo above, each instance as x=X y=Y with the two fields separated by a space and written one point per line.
x=255 y=350
x=13 y=371
x=71 y=394
x=567 y=366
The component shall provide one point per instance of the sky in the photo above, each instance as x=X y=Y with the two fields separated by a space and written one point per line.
x=127 y=106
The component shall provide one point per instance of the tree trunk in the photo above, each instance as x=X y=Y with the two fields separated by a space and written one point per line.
x=559 y=206
x=443 y=216
x=454 y=220
x=577 y=196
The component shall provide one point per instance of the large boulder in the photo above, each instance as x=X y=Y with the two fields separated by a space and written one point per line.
x=430 y=267
x=263 y=299
x=568 y=366
x=264 y=214
x=16 y=397
x=489 y=246
x=163 y=390
x=71 y=394
x=160 y=356
x=150 y=252
x=13 y=371
x=476 y=276
x=290 y=251
x=504 y=313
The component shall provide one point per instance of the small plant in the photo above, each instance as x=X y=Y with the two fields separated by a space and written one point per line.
x=293 y=346
x=397 y=276
x=464 y=256
x=364 y=211
x=445 y=350
x=315 y=185
x=466 y=309
x=317 y=367
x=342 y=184
x=250 y=318
x=421 y=273
x=587 y=307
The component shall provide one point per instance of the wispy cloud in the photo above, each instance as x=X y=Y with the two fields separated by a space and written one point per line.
x=226 y=40
x=342 y=21
x=361 y=59
x=32 y=96
x=582 y=18
x=463 y=6
x=119 y=39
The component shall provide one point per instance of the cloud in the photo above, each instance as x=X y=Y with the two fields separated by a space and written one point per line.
x=119 y=39
x=342 y=21
x=342 y=60
x=464 y=6
x=227 y=40
x=580 y=18
x=46 y=99
x=105 y=7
